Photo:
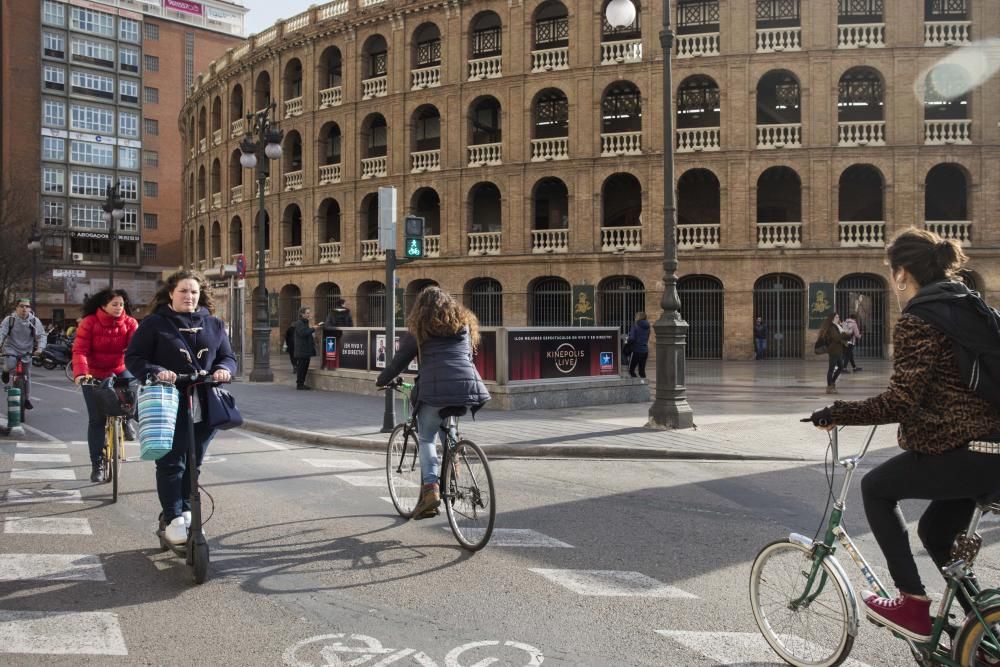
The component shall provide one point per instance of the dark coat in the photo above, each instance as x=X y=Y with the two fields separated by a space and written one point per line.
x=157 y=345
x=447 y=374
x=336 y=318
x=638 y=335
x=305 y=340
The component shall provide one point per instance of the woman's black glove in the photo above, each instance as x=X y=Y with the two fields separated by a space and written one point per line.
x=822 y=417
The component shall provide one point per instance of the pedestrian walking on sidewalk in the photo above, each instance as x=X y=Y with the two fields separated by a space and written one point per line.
x=950 y=433
x=305 y=346
x=443 y=334
x=832 y=339
x=638 y=336
x=760 y=334
x=850 y=325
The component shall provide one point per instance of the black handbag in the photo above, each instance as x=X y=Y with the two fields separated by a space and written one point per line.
x=220 y=408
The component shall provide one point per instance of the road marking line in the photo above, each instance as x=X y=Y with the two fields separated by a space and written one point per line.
x=41 y=445
x=61 y=633
x=47 y=526
x=41 y=458
x=519 y=537
x=51 y=567
x=41 y=433
x=78 y=442
x=52 y=386
x=45 y=474
x=732 y=648
x=26 y=496
x=612 y=583
x=75 y=412
x=268 y=443
x=344 y=464
x=371 y=480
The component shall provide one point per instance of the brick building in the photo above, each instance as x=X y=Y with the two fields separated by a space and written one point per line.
x=91 y=92
x=530 y=137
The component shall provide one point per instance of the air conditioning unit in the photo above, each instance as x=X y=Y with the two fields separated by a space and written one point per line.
x=77 y=256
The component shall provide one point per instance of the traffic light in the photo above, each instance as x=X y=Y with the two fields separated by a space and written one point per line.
x=413 y=232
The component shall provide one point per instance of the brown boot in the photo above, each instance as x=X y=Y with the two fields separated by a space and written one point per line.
x=430 y=498
x=831 y=389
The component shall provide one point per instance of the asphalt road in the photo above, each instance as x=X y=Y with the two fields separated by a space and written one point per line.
x=594 y=563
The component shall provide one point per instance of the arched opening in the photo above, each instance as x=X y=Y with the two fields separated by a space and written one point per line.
x=216 y=116
x=291 y=227
x=551 y=26
x=262 y=92
x=371 y=304
x=203 y=123
x=861 y=194
x=201 y=188
x=289 y=302
x=619 y=298
x=331 y=68
x=485 y=36
x=621 y=201
x=862 y=296
x=374 y=136
x=777 y=14
x=702 y=306
x=330 y=143
x=778 y=99
x=202 y=250
x=215 y=244
x=484 y=121
x=550 y=111
x=235 y=169
x=426 y=46
x=779 y=196
x=413 y=290
x=860 y=96
x=550 y=302
x=216 y=180
x=375 y=57
x=954 y=10
x=550 y=199
x=291 y=152
x=698 y=103
x=484 y=297
x=631 y=31
x=369 y=217
x=256 y=231
x=236 y=235
x=484 y=219
x=946 y=93
x=236 y=103
x=426 y=122
x=292 y=79
x=329 y=221
x=946 y=193
x=426 y=203
x=621 y=109
x=325 y=298
x=779 y=300
x=698 y=198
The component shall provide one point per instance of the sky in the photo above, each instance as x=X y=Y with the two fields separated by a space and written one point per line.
x=263 y=13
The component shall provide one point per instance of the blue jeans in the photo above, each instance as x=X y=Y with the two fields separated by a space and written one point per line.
x=428 y=426
x=173 y=471
x=760 y=347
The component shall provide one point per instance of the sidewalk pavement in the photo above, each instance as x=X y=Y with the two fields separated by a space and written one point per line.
x=742 y=410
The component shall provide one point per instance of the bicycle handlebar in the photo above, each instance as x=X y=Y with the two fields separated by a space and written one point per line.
x=393 y=384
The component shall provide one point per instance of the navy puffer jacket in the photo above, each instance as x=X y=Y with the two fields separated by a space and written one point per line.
x=638 y=335
x=156 y=345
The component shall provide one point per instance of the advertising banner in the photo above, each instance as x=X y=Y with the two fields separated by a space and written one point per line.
x=188 y=6
x=485 y=356
x=820 y=303
x=583 y=306
x=353 y=352
x=562 y=353
x=377 y=356
x=329 y=353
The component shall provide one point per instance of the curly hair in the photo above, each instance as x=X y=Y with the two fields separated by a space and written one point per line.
x=436 y=313
x=104 y=297
x=162 y=296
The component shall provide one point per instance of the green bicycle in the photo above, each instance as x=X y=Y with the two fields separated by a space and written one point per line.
x=807 y=609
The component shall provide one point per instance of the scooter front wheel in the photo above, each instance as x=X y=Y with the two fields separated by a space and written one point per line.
x=199 y=560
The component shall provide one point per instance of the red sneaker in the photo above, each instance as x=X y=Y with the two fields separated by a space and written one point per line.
x=906 y=615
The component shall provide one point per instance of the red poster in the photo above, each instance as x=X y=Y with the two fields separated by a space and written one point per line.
x=184 y=6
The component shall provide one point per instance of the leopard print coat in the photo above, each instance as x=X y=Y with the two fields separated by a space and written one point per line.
x=935 y=410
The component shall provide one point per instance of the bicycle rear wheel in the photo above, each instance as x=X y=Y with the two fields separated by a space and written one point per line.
x=402 y=469
x=467 y=492
x=108 y=452
x=803 y=627
x=973 y=647
x=69 y=371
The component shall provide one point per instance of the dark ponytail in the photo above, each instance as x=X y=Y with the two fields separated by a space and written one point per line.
x=926 y=256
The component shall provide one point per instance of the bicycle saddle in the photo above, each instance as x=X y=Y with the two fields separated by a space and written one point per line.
x=453 y=411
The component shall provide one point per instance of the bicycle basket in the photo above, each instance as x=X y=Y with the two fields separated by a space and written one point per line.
x=114 y=401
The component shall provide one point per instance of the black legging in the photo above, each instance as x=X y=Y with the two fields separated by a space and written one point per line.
x=951 y=481
x=832 y=370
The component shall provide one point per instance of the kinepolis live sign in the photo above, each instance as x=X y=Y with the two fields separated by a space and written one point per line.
x=562 y=353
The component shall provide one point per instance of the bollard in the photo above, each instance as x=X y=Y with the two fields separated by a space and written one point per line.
x=14 y=412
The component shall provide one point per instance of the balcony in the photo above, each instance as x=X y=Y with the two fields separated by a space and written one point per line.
x=556 y=148
x=373 y=167
x=421 y=161
x=294 y=255
x=695 y=237
x=861 y=133
x=202 y=206
x=697 y=139
x=869 y=234
x=376 y=87
x=695 y=46
x=370 y=251
x=616 y=144
x=425 y=77
x=861 y=36
x=216 y=261
x=202 y=264
x=946 y=132
x=484 y=243
x=947 y=33
x=329 y=253
x=236 y=194
x=191 y=211
x=546 y=60
x=293 y=180
x=785 y=135
x=549 y=241
x=485 y=68
x=432 y=245
x=216 y=137
x=293 y=107
x=329 y=173
x=267 y=187
x=371 y=3
x=202 y=145
x=779 y=234
x=623 y=51
x=332 y=9
x=959 y=230
x=216 y=200
x=267 y=258
x=776 y=40
x=484 y=154
x=331 y=97
x=236 y=128
x=621 y=239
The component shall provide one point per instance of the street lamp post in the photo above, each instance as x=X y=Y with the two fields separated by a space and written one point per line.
x=114 y=211
x=34 y=245
x=261 y=144
x=670 y=408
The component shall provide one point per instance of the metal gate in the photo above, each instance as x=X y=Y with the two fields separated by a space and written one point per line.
x=864 y=295
x=485 y=300
x=371 y=305
x=619 y=299
x=779 y=299
x=326 y=295
x=551 y=303
x=702 y=308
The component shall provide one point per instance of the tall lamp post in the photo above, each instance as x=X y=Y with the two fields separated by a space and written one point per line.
x=261 y=144
x=114 y=211
x=670 y=408
x=34 y=245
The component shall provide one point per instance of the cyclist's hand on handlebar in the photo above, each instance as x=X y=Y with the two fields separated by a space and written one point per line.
x=222 y=375
x=822 y=418
x=80 y=379
x=166 y=376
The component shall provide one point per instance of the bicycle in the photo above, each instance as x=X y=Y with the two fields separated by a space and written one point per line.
x=113 y=454
x=466 y=481
x=19 y=378
x=807 y=610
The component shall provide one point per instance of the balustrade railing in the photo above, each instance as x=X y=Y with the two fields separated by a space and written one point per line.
x=425 y=77
x=202 y=207
x=693 y=237
x=216 y=261
x=771 y=40
x=329 y=173
x=947 y=33
x=329 y=253
x=331 y=97
x=785 y=135
x=293 y=107
x=621 y=143
x=862 y=234
x=421 y=161
x=623 y=51
x=693 y=46
x=293 y=180
x=236 y=128
x=266 y=37
x=484 y=243
x=216 y=137
x=546 y=60
x=332 y=9
x=236 y=194
x=621 y=239
x=485 y=68
x=861 y=36
x=373 y=167
x=202 y=145
x=698 y=139
x=376 y=87
x=556 y=148
x=779 y=234
x=959 y=230
x=370 y=251
x=216 y=200
x=267 y=187
x=484 y=154
x=294 y=255
x=941 y=132
x=432 y=245
x=549 y=240
x=296 y=22
x=267 y=258
x=861 y=133
x=371 y=3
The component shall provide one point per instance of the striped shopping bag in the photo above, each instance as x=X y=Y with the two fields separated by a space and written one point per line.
x=158 y=406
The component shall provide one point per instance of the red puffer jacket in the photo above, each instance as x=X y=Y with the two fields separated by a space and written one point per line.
x=99 y=348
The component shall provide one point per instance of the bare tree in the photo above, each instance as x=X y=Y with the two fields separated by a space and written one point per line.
x=17 y=214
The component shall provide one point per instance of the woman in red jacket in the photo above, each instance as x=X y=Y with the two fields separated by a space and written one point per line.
x=99 y=352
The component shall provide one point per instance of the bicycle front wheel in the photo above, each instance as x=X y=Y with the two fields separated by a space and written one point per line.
x=973 y=647
x=805 y=622
x=19 y=384
x=402 y=469
x=69 y=371
x=117 y=452
x=467 y=492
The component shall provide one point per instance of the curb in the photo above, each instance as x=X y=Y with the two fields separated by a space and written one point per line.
x=512 y=451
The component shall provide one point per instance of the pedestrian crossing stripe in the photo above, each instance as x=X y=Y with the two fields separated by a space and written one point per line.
x=341 y=464
x=61 y=633
x=41 y=458
x=41 y=445
x=733 y=648
x=44 y=474
x=371 y=480
x=612 y=583
x=521 y=537
x=46 y=526
x=51 y=567
x=26 y=496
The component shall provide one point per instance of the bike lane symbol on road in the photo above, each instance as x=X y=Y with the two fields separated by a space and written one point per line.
x=352 y=650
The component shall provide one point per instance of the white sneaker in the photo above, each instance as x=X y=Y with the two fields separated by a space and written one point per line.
x=187 y=519
x=176 y=532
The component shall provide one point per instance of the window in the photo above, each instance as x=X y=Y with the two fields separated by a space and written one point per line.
x=53 y=248
x=128 y=158
x=151 y=63
x=92 y=52
x=148 y=251
x=89 y=183
x=53 y=113
x=53 y=45
x=150 y=31
x=97 y=85
x=150 y=189
x=128 y=59
x=53 y=181
x=86 y=216
x=128 y=124
x=129 y=188
x=150 y=220
x=128 y=30
x=88 y=20
x=151 y=126
x=130 y=221
x=53 y=148
x=54 y=77
x=53 y=13
x=90 y=153
x=53 y=213
x=150 y=95
x=128 y=91
x=91 y=119
x=151 y=158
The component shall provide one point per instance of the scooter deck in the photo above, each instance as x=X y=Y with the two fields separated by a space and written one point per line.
x=179 y=549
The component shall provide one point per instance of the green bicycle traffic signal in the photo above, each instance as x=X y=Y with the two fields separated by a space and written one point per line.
x=413 y=232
